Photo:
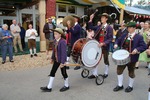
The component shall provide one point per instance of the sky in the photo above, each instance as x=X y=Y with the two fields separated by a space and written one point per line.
x=136 y=1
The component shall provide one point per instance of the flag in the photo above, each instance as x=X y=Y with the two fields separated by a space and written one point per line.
x=119 y=3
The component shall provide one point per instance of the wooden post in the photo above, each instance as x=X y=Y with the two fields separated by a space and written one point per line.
x=42 y=13
x=121 y=16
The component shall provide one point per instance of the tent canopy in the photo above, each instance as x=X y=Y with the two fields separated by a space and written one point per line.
x=134 y=10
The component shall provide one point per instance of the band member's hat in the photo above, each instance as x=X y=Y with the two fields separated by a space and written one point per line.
x=75 y=16
x=69 y=18
x=131 y=24
x=104 y=14
x=60 y=31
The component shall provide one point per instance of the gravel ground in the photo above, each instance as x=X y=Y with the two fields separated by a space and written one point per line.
x=23 y=62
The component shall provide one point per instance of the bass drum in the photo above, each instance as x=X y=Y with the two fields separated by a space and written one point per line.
x=87 y=52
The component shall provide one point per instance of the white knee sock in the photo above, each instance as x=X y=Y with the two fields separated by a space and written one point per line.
x=30 y=51
x=66 y=82
x=148 y=67
x=131 y=81
x=94 y=71
x=34 y=50
x=120 y=80
x=51 y=79
x=149 y=94
x=106 y=69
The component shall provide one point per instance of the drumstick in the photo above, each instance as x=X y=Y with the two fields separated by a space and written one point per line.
x=72 y=65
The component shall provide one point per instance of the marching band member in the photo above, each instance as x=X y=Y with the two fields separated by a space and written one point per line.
x=149 y=93
x=104 y=36
x=59 y=56
x=90 y=35
x=135 y=44
x=73 y=35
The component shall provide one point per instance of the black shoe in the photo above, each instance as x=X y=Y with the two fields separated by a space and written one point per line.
x=146 y=67
x=64 y=89
x=149 y=74
x=35 y=55
x=91 y=77
x=11 y=61
x=136 y=67
x=3 y=62
x=31 y=56
x=45 y=89
x=105 y=75
x=67 y=67
x=117 y=88
x=77 y=67
x=128 y=89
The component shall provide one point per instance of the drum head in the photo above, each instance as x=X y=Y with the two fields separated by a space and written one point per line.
x=120 y=54
x=91 y=53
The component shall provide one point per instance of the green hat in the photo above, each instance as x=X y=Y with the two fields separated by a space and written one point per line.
x=131 y=24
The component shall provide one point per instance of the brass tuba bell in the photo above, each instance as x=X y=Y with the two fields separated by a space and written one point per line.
x=68 y=18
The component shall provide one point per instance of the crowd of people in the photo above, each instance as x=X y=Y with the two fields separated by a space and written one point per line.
x=11 y=39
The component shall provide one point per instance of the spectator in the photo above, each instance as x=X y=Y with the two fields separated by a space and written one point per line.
x=49 y=35
x=15 y=30
x=143 y=56
x=31 y=35
x=6 y=39
x=22 y=35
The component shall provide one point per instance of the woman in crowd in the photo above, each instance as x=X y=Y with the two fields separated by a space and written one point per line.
x=6 y=39
x=143 y=56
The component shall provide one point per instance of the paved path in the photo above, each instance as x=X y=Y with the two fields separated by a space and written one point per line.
x=25 y=85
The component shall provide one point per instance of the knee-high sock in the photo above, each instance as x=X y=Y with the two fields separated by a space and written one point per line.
x=30 y=51
x=149 y=68
x=131 y=81
x=106 y=69
x=120 y=80
x=34 y=50
x=66 y=82
x=149 y=94
x=94 y=71
x=51 y=79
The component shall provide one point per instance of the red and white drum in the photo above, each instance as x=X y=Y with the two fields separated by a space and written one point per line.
x=87 y=51
x=121 y=57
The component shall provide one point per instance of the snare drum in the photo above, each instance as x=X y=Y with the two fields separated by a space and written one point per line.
x=87 y=52
x=121 y=57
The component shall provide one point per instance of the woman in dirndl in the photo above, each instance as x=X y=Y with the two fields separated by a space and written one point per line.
x=146 y=35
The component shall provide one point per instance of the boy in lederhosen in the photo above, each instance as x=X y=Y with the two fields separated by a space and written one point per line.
x=134 y=44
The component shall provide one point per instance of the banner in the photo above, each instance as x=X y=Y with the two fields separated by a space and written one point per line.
x=119 y=3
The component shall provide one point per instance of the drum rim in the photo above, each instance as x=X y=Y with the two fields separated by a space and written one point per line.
x=100 y=55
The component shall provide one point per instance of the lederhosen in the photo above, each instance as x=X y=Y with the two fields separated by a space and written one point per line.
x=127 y=45
x=105 y=52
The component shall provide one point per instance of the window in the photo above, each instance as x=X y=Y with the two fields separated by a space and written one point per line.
x=62 y=8
x=71 y=9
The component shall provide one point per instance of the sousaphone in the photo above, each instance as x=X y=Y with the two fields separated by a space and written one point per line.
x=68 y=18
